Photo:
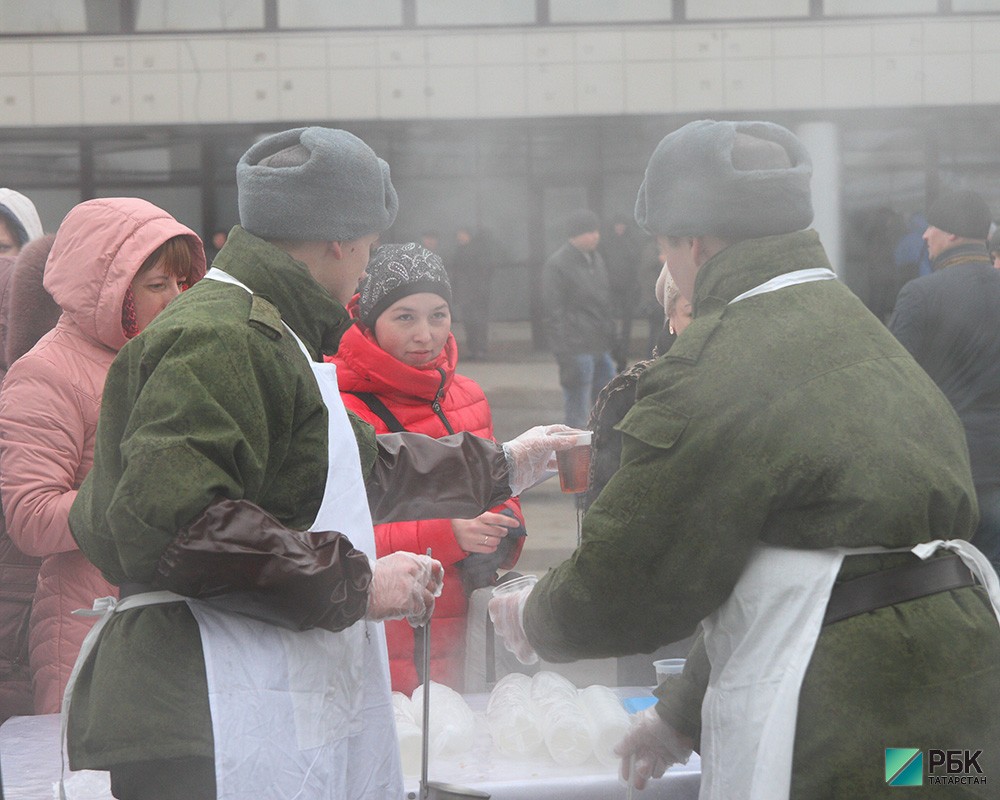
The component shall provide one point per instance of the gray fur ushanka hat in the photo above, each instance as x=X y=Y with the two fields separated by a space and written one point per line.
x=736 y=180
x=313 y=185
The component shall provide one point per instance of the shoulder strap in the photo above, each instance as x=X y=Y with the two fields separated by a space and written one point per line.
x=379 y=409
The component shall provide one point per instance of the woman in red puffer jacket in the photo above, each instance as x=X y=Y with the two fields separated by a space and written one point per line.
x=396 y=370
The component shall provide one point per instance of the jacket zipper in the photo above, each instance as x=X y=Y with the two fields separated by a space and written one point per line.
x=436 y=403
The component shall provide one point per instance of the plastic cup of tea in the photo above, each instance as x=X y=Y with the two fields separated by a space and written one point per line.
x=574 y=463
x=668 y=666
x=516 y=585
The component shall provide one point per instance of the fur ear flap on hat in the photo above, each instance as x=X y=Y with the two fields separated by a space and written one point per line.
x=313 y=185
x=736 y=180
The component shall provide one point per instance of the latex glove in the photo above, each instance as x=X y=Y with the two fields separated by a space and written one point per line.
x=531 y=456
x=507 y=614
x=484 y=533
x=404 y=585
x=650 y=747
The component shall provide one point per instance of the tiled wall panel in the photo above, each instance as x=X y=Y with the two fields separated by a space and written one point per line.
x=705 y=68
x=15 y=100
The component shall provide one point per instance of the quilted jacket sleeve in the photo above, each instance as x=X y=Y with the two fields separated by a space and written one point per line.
x=43 y=428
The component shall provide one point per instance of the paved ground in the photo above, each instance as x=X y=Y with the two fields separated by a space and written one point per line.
x=522 y=385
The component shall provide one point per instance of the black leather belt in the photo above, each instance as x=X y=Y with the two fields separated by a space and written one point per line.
x=897 y=585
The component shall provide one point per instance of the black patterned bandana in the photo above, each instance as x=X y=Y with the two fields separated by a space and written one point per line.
x=398 y=270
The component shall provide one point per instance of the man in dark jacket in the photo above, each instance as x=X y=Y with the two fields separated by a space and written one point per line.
x=948 y=320
x=788 y=474
x=576 y=303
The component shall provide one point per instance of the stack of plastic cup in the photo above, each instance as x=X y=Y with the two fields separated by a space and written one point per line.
x=566 y=726
x=512 y=718
x=609 y=719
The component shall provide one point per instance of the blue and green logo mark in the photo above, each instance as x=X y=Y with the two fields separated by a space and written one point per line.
x=904 y=766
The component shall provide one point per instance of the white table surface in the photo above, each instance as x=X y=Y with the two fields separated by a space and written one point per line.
x=29 y=761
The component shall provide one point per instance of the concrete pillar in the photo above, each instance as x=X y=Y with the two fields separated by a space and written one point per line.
x=822 y=141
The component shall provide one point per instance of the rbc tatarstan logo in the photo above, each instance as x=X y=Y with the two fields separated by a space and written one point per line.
x=904 y=766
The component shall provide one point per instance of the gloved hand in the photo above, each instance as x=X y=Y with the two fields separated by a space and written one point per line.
x=650 y=747
x=507 y=613
x=531 y=456
x=404 y=585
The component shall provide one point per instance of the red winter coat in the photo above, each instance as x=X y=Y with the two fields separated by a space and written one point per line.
x=408 y=392
x=48 y=417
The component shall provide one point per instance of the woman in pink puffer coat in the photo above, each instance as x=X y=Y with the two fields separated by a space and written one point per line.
x=114 y=265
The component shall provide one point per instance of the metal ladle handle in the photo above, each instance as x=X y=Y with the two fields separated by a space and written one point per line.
x=425 y=724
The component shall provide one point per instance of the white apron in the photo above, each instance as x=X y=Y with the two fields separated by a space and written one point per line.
x=304 y=715
x=761 y=640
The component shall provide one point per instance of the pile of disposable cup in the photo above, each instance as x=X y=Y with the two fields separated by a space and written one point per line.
x=408 y=733
x=512 y=717
x=452 y=724
x=609 y=719
x=566 y=725
x=528 y=716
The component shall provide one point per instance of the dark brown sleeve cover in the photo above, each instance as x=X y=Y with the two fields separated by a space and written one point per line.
x=239 y=557
x=419 y=477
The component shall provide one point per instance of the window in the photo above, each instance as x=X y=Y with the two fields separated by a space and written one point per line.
x=464 y=12
x=610 y=10
x=43 y=16
x=340 y=13
x=843 y=8
x=198 y=15
x=725 y=9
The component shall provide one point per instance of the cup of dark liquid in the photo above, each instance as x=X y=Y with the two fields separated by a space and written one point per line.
x=574 y=463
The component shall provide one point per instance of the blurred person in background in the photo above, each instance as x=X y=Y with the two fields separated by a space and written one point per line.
x=948 y=321
x=396 y=368
x=214 y=243
x=793 y=483
x=115 y=263
x=19 y=222
x=431 y=240
x=471 y=269
x=622 y=246
x=576 y=304
x=27 y=312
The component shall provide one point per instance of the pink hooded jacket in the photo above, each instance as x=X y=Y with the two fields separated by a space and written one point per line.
x=49 y=408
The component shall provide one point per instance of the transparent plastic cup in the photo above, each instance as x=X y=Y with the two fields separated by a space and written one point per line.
x=574 y=463
x=668 y=666
x=521 y=649
x=516 y=585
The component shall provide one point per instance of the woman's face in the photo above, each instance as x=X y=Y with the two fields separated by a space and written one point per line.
x=152 y=290
x=415 y=328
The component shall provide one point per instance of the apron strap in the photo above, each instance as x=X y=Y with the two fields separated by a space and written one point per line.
x=974 y=559
x=788 y=279
x=105 y=608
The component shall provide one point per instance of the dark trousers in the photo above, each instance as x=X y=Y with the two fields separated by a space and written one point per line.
x=167 y=779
